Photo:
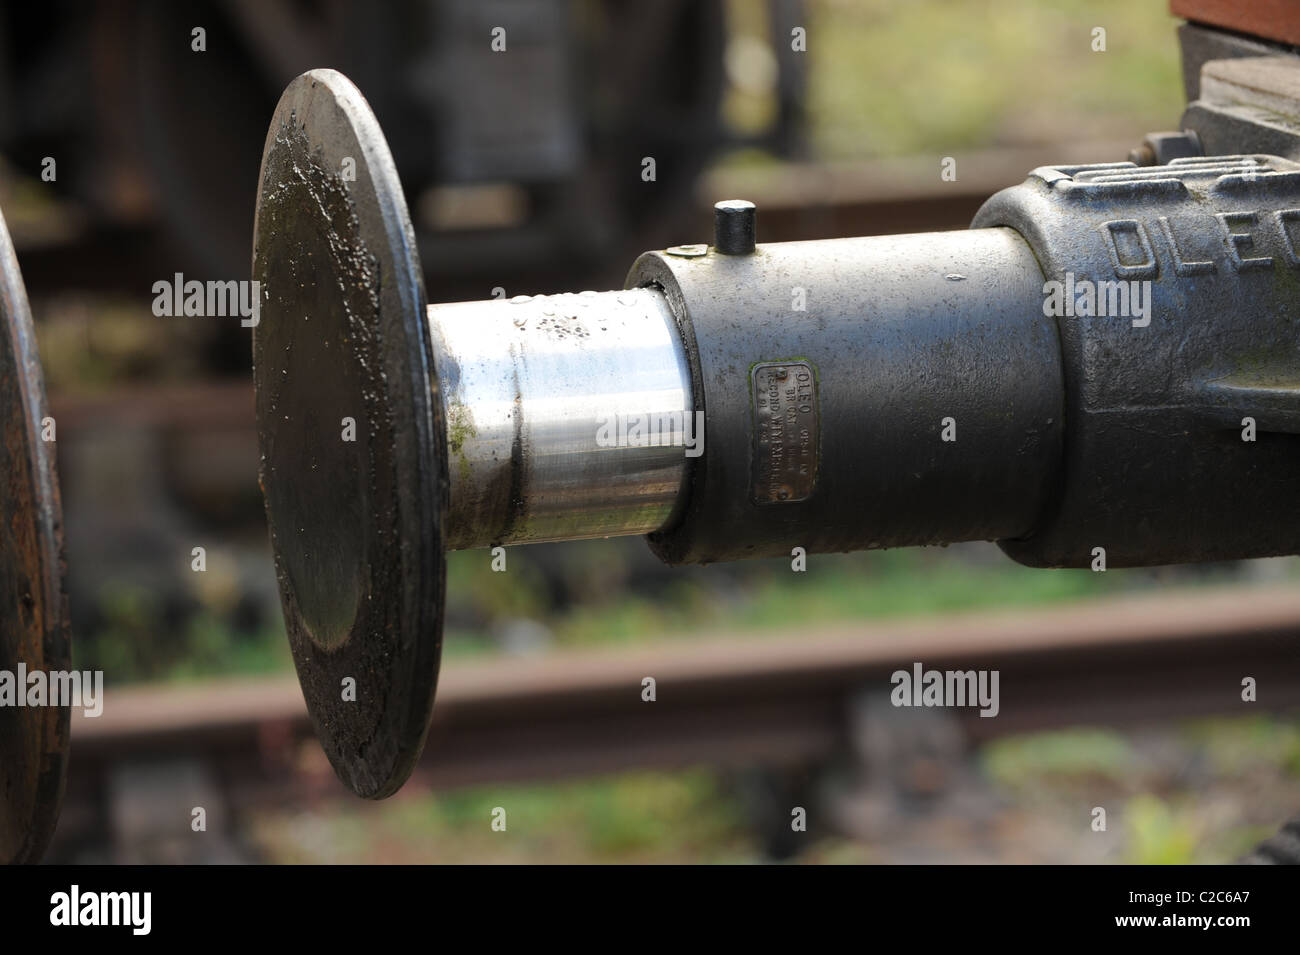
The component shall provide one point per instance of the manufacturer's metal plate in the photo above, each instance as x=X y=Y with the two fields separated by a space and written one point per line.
x=785 y=430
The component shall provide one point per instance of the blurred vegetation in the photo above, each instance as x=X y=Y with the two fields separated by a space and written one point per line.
x=926 y=76
x=1203 y=793
x=602 y=592
x=609 y=592
x=636 y=817
x=136 y=644
x=933 y=77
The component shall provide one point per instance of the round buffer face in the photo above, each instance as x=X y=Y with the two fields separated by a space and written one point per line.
x=33 y=604
x=353 y=451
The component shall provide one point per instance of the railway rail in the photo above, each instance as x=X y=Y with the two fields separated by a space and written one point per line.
x=730 y=701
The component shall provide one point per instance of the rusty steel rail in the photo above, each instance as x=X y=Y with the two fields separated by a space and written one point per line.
x=814 y=200
x=726 y=702
x=822 y=200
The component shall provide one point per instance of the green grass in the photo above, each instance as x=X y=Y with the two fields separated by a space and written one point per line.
x=1192 y=805
x=1241 y=747
x=936 y=76
x=767 y=596
x=616 y=599
x=1159 y=833
x=634 y=817
x=1065 y=757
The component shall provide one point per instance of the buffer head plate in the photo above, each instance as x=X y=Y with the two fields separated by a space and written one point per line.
x=353 y=451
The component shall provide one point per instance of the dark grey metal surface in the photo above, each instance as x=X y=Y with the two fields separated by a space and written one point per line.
x=1200 y=44
x=1247 y=106
x=357 y=526
x=1157 y=149
x=901 y=333
x=1241 y=93
x=1155 y=469
x=734 y=229
x=33 y=603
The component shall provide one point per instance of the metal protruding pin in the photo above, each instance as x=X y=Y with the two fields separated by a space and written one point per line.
x=733 y=226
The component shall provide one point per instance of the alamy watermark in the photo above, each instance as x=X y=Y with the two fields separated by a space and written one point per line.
x=132 y=910
x=659 y=429
x=212 y=299
x=1084 y=298
x=922 y=687
x=83 y=688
